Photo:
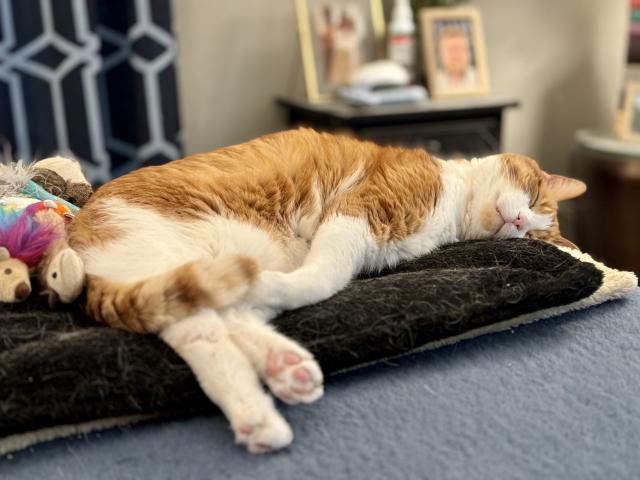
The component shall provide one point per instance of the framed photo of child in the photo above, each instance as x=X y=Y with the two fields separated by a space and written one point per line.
x=628 y=125
x=454 y=52
x=336 y=37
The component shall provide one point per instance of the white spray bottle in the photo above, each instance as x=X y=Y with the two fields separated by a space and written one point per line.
x=401 y=36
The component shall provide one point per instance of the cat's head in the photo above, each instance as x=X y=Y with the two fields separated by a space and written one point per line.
x=514 y=198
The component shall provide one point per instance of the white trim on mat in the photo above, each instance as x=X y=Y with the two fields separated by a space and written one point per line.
x=615 y=284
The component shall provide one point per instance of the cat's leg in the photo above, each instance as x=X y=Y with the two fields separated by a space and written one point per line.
x=288 y=369
x=229 y=379
x=337 y=253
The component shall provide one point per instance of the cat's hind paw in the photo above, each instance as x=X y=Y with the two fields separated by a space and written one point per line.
x=266 y=434
x=293 y=377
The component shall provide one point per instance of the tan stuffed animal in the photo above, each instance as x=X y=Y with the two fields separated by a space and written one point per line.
x=15 y=285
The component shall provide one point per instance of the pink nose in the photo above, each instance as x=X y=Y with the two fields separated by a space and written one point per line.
x=518 y=222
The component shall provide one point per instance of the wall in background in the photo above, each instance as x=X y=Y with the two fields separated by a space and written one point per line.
x=234 y=58
x=563 y=59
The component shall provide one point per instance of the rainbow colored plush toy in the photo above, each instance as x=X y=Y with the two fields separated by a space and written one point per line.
x=23 y=236
x=33 y=238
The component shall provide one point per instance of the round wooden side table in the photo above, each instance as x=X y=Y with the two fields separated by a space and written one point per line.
x=608 y=215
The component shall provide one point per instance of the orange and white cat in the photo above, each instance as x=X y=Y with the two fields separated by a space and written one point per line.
x=205 y=250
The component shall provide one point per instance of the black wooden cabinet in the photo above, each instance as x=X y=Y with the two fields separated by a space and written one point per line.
x=607 y=214
x=447 y=128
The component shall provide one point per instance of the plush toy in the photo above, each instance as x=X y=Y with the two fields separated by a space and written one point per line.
x=24 y=242
x=62 y=178
x=32 y=229
x=15 y=285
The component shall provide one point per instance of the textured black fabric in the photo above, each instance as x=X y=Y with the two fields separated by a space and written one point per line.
x=59 y=367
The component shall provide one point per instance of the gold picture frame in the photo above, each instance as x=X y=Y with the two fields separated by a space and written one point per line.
x=317 y=87
x=625 y=129
x=459 y=66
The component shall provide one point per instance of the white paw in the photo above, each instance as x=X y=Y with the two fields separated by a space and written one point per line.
x=263 y=434
x=293 y=376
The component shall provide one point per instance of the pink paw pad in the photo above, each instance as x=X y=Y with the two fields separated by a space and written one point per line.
x=302 y=374
x=293 y=376
x=276 y=362
x=246 y=429
x=291 y=358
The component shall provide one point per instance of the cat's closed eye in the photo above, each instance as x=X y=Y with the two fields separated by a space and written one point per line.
x=535 y=197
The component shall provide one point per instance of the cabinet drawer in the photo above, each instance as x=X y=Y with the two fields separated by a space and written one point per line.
x=459 y=138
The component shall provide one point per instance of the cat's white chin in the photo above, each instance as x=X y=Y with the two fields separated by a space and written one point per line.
x=509 y=230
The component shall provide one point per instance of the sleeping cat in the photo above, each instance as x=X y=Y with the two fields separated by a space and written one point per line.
x=205 y=250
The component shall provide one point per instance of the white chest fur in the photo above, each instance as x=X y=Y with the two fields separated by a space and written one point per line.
x=444 y=225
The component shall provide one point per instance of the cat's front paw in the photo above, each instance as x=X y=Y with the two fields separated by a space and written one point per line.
x=293 y=376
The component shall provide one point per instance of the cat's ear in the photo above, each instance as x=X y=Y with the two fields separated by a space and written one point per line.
x=4 y=254
x=565 y=188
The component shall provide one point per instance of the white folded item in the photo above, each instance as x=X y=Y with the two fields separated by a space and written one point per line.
x=380 y=72
x=382 y=96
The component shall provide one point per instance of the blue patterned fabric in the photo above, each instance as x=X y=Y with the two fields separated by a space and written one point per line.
x=93 y=79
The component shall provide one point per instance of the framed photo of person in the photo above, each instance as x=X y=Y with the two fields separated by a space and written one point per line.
x=628 y=127
x=336 y=37
x=454 y=52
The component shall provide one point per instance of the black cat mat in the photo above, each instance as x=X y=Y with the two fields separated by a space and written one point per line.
x=63 y=374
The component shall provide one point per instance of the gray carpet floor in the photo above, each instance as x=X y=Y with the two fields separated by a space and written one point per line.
x=556 y=399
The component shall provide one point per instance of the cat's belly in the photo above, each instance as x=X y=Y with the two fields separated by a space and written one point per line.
x=152 y=244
